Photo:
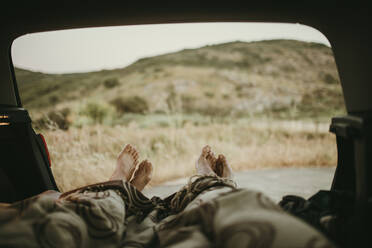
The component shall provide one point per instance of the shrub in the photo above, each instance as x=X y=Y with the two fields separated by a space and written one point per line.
x=226 y=96
x=54 y=99
x=97 y=112
x=54 y=119
x=238 y=88
x=209 y=94
x=111 y=83
x=133 y=104
x=158 y=69
x=329 y=79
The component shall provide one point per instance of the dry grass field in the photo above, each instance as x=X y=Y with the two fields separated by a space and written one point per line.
x=82 y=156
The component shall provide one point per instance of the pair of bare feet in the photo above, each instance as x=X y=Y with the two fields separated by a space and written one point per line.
x=139 y=175
x=128 y=169
x=209 y=164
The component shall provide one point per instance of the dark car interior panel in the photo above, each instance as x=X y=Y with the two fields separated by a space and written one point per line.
x=25 y=168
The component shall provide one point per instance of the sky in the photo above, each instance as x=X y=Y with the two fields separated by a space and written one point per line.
x=93 y=49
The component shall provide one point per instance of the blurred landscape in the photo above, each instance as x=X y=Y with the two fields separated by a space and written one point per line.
x=263 y=104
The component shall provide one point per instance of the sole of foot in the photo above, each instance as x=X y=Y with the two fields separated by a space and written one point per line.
x=125 y=164
x=142 y=175
x=222 y=168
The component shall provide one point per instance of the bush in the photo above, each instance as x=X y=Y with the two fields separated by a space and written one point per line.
x=111 y=83
x=329 y=79
x=53 y=99
x=209 y=94
x=133 y=104
x=226 y=96
x=55 y=119
x=97 y=112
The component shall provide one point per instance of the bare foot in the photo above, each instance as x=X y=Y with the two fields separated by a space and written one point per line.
x=222 y=168
x=125 y=164
x=142 y=175
x=206 y=162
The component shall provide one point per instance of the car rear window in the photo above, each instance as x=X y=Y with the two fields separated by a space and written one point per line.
x=262 y=94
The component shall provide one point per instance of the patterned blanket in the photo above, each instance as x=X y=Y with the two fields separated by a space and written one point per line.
x=208 y=212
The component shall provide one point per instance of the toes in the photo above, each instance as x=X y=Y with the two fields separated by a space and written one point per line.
x=222 y=158
x=127 y=148
x=133 y=151
x=222 y=168
x=134 y=155
x=206 y=149
x=218 y=169
x=211 y=158
x=205 y=163
x=207 y=153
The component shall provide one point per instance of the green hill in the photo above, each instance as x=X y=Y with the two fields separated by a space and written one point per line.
x=279 y=78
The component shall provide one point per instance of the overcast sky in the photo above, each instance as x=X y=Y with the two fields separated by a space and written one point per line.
x=83 y=50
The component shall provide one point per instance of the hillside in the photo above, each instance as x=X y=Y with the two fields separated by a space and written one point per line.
x=279 y=78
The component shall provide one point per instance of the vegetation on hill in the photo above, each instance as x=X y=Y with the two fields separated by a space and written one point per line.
x=277 y=78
